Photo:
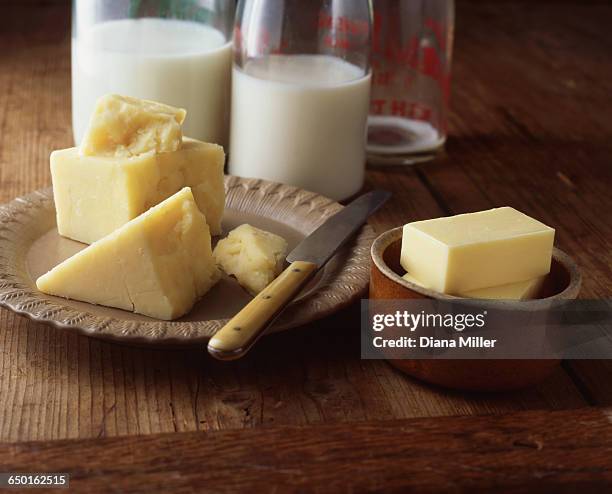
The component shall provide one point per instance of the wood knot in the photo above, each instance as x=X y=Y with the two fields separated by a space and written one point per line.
x=529 y=442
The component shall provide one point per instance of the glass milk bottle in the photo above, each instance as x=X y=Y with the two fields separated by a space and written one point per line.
x=411 y=63
x=174 y=51
x=300 y=93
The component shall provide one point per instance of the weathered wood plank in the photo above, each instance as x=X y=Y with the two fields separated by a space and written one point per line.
x=549 y=451
x=59 y=385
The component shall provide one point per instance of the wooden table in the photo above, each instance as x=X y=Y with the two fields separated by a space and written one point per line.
x=530 y=128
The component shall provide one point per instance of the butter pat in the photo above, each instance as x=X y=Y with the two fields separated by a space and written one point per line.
x=158 y=264
x=121 y=126
x=96 y=195
x=521 y=290
x=255 y=257
x=468 y=252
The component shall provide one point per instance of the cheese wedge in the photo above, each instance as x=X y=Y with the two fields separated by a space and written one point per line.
x=96 y=195
x=158 y=264
x=255 y=257
x=121 y=126
x=477 y=250
x=521 y=290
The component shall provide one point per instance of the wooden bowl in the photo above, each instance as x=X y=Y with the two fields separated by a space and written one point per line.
x=562 y=283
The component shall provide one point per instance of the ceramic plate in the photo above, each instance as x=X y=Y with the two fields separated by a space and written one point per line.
x=30 y=246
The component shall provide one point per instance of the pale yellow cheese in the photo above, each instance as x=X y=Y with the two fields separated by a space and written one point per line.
x=158 y=264
x=96 y=195
x=467 y=252
x=122 y=126
x=255 y=257
x=521 y=290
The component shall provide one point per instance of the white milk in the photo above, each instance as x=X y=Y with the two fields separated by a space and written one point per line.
x=300 y=120
x=180 y=63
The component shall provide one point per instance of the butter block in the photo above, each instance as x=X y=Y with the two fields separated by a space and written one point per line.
x=521 y=290
x=255 y=257
x=471 y=251
x=158 y=264
x=95 y=195
x=122 y=126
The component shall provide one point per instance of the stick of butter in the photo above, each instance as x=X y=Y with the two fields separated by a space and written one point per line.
x=121 y=126
x=158 y=264
x=255 y=257
x=95 y=195
x=521 y=290
x=471 y=251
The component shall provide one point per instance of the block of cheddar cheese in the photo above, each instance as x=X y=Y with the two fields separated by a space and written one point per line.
x=95 y=195
x=466 y=252
x=157 y=264
x=121 y=126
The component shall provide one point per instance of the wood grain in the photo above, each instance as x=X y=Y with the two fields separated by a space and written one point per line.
x=58 y=385
x=519 y=137
x=552 y=452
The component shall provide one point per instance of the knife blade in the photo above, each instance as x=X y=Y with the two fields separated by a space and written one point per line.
x=238 y=336
x=324 y=242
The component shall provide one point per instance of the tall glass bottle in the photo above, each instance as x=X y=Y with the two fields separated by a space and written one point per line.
x=300 y=93
x=174 y=51
x=411 y=66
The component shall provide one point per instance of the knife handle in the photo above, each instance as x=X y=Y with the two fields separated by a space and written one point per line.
x=235 y=339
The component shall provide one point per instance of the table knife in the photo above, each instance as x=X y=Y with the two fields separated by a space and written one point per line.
x=236 y=338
